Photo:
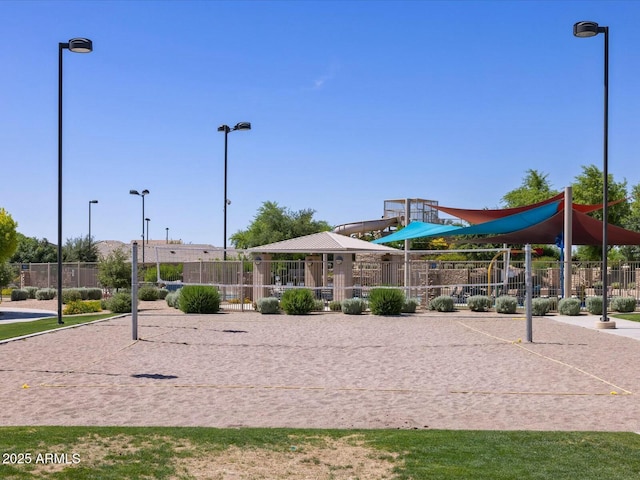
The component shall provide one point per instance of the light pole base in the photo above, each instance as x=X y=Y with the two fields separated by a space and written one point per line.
x=605 y=325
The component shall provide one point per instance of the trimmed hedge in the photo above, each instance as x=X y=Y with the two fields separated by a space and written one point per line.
x=479 y=303
x=119 y=303
x=46 y=294
x=594 y=305
x=32 y=292
x=148 y=294
x=540 y=306
x=268 y=305
x=335 y=306
x=19 y=294
x=569 y=306
x=297 y=301
x=172 y=298
x=443 y=303
x=353 y=306
x=71 y=295
x=410 y=305
x=623 y=304
x=506 y=304
x=199 y=299
x=386 y=301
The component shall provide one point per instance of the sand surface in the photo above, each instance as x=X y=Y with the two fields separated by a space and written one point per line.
x=460 y=370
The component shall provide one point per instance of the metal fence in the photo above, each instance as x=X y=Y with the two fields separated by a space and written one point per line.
x=241 y=283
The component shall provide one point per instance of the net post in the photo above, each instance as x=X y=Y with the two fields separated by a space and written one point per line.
x=529 y=291
x=134 y=291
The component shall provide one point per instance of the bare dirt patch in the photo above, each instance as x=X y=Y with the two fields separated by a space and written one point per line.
x=318 y=459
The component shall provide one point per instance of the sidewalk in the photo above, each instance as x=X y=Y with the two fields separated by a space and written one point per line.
x=624 y=328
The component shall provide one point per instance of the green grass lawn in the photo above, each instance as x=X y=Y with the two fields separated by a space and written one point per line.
x=12 y=330
x=627 y=316
x=187 y=453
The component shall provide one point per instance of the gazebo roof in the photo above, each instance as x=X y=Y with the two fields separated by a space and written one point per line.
x=323 y=242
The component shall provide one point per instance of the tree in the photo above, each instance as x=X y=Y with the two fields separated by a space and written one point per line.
x=7 y=275
x=273 y=223
x=8 y=236
x=114 y=271
x=535 y=188
x=32 y=250
x=80 y=249
x=632 y=222
x=587 y=189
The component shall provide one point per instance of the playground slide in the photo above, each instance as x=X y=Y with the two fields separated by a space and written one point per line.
x=367 y=226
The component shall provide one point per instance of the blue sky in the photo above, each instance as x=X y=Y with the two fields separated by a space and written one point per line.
x=351 y=102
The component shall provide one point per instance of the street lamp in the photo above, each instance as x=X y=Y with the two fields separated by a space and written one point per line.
x=585 y=30
x=143 y=194
x=167 y=229
x=226 y=130
x=76 y=45
x=147 y=220
x=90 y=202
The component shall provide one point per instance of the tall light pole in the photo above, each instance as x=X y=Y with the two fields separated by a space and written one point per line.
x=90 y=202
x=76 y=45
x=167 y=229
x=226 y=130
x=584 y=30
x=147 y=220
x=143 y=194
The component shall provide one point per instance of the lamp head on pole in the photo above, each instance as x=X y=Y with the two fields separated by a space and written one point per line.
x=80 y=45
x=587 y=29
x=145 y=192
x=242 y=126
x=93 y=201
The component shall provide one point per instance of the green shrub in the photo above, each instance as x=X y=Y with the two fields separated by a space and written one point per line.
x=162 y=293
x=173 y=297
x=623 y=304
x=84 y=293
x=199 y=299
x=19 y=294
x=506 y=304
x=386 y=301
x=70 y=295
x=268 y=305
x=297 y=301
x=94 y=294
x=353 y=306
x=594 y=305
x=148 y=294
x=335 y=306
x=540 y=306
x=31 y=291
x=479 y=303
x=410 y=305
x=119 y=303
x=46 y=294
x=569 y=306
x=318 y=305
x=443 y=303
x=82 y=306
x=553 y=303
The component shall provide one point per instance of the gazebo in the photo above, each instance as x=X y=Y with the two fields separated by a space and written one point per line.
x=317 y=246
